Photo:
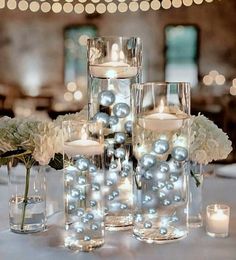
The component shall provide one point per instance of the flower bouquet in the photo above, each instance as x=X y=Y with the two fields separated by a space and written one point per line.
x=31 y=143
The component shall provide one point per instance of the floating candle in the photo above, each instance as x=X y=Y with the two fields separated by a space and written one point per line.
x=83 y=147
x=113 y=69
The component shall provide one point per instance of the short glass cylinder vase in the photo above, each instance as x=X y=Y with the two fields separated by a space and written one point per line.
x=27 y=203
x=83 y=185
x=195 y=195
x=114 y=64
x=161 y=147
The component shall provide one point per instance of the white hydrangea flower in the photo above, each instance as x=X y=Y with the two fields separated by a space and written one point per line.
x=208 y=142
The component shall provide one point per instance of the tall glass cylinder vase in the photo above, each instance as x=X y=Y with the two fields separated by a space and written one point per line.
x=161 y=146
x=113 y=66
x=195 y=195
x=83 y=185
x=27 y=202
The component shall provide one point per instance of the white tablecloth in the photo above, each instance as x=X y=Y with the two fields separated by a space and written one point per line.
x=121 y=245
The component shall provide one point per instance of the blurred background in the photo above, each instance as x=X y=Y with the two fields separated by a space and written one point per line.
x=43 y=53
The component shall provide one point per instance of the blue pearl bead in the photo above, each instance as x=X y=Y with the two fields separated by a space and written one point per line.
x=121 y=110
x=82 y=164
x=106 y=98
x=113 y=120
x=160 y=146
x=179 y=153
x=120 y=138
x=102 y=117
x=128 y=126
x=120 y=153
x=147 y=161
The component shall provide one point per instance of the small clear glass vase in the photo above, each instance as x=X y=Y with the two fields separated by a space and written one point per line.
x=195 y=195
x=27 y=198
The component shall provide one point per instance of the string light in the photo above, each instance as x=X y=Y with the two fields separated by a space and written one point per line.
x=99 y=6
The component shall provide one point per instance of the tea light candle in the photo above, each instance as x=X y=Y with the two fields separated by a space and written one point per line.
x=83 y=147
x=113 y=69
x=217 y=220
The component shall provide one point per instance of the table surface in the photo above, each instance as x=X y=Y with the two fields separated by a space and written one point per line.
x=119 y=245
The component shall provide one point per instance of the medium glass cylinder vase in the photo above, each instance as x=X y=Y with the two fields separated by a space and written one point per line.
x=195 y=195
x=161 y=147
x=113 y=66
x=83 y=185
x=27 y=203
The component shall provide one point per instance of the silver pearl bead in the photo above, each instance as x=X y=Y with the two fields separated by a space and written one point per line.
x=163 y=231
x=106 y=98
x=87 y=238
x=79 y=230
x=80 y=212
x=92 y=168
x=81 y=180
x=160 y=184
x=147 y=161
x=120 y=153
x=126 y=167
x=82 y=197
x=179 y=153
x=169 y=186
x=121 y=110
x=147 y=224
x=138 y=218
x=148 y=175
x=147 y=198
x=102 y=117
x=82 y=164
x=95 y=187
x=84 y=220
x=124 y=174
x=120 y=138
x=113 y=120
x=110 y=197
x=164 y=168
x=109 y=182
x=94 y=227
x=123 y=206
x=174 y=177
x=174 y=219
x=152 y=211
x=93 y=203
x=90 y=216
x=128 y=126
x=115 y=193
x=155 y=188
x=74 y=193
x=160 y=146
x=177 y=198
x=113 y=165
x=110 y=151
x=166 y=202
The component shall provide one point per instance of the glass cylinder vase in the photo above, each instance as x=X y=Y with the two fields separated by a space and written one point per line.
x=161 y=147
x=195 y=195
x=83 y=185
x=27 y=203
x=113 y=66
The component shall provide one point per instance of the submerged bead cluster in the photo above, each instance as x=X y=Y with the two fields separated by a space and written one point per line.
x=115 y=114
x=162 y=183
x=84 y=211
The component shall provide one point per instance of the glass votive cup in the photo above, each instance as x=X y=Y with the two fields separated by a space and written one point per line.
x=217 y=220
